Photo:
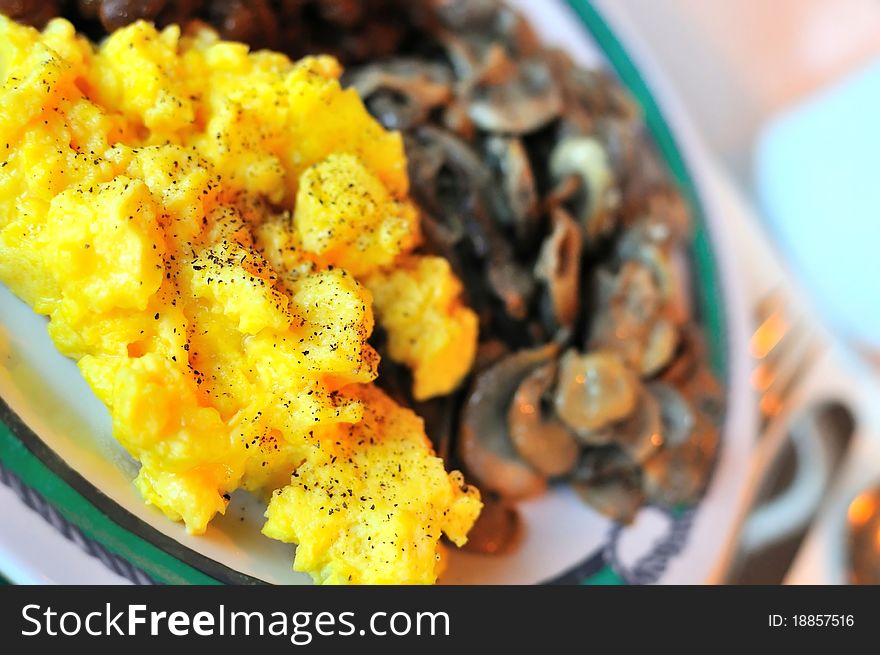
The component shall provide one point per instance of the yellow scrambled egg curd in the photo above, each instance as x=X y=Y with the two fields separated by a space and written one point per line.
x=372 y=495
x=198 y=223
x=429 y=329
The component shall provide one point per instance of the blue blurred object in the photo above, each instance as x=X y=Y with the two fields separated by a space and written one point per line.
x=818 y=184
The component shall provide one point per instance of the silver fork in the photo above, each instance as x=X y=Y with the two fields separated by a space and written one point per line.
x=783 y=348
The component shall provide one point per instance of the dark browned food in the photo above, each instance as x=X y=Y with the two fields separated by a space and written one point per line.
x=32 y=12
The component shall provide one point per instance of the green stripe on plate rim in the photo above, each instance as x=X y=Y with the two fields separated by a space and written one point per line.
x=94 y=524
x=165 y=568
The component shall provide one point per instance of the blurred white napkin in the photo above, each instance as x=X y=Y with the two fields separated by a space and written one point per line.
x=818 y=184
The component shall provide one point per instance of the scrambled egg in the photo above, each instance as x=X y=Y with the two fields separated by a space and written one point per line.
x=429 y=328
x=392 y=479
x=203 y=226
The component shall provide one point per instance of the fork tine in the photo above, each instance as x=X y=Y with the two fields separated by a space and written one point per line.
x=782 y=369
x=784 y=349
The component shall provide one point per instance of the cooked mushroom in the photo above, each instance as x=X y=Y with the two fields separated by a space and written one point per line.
x=640 y=246
x=658 y=212
x=646 y=176
x=485 y=445
x=400 y=93
x=704 y=392
x=594 y=391
x=621 y=139
x=628 y=303
x=585 y=157
x=462 y=15
x=492 y=19
x=659 y=347
x=608 y=480
x=576 y=119
x=538 y=435
x=498 y=528
x=565 y=192
x=511 y=283
x=559 y=268
x=449 y=181
x=524 y=102
x=517 y=197
x=599 y=94
x=488 y=353
x=455 y=118
x=677 y=473
x=640 y=435
x=470 y=29
x=667 y=207
x=687 y=357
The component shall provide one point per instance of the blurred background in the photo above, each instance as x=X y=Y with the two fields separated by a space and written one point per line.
x=785 y=95
x=738 y=63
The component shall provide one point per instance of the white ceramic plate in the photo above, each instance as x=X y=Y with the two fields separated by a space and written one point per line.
x=71 y=514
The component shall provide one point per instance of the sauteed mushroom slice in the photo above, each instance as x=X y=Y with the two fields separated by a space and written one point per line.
x=660 y=215
x=667 y=207
x=575 y=119
x=608 y=480
x=559 y=268
x=628 y=303
x=585 y=157
x=639 y=245
x=488 y=353
x=447 y=181
x=517 y=197
x=450 y=181
x=492 y=20
x=622 y=141
x=646 y=176
x=677 y=473
x=539 y=437
x=510 y=282
x=640 y=435
x=637 y=316
x=524 y=102
x=515 y=32
x=485 y=445
x=400 y=93
x=659 y=347
x=498 y=528
x=470 y=29
x=689 y=353
x=455 y=118
x=600 y=94
x=439 y=149
x=468 y=15
x=704 y=393
x=564 y=193
x=594 y=391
